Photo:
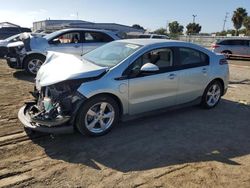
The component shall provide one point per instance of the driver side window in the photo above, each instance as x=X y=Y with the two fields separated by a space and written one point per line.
x=162 y=58
x=67 y=38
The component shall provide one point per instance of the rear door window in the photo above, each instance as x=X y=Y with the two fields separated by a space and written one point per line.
x=189 y=58
x=96 y=37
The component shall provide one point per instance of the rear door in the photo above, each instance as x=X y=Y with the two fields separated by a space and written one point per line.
x=94 y=39
x=69 y=42
x=193 y=74
x=240 y=47
x=247 y=47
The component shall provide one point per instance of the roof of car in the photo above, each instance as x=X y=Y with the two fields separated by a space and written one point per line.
x=83 y=29
x=234 y=39
x=145 y=42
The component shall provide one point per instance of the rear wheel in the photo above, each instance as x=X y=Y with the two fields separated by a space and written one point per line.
x=97 y=116
x=212 y=95
x=227 y=53
x=33 y=63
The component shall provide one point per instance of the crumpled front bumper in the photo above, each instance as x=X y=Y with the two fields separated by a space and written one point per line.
x=25 y=119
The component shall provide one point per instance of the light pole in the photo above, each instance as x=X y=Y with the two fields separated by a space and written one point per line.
x=194 y=17
x=225 y=20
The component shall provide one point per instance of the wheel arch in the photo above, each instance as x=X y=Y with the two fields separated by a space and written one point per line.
x=220 y=81
x=113 y=96
x=225 y=51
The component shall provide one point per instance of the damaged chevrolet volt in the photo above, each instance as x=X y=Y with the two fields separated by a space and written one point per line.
x=119 y=79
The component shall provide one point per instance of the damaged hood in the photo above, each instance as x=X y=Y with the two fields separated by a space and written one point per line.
x=59 y=67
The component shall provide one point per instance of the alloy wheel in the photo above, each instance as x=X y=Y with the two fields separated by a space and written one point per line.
x=213 y=95
x=99 y=117
x=34 y=65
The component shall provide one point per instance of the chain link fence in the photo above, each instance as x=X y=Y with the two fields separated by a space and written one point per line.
x=204 y=41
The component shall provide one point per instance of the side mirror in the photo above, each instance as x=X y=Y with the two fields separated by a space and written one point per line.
x=149 y=67
x=55 y=41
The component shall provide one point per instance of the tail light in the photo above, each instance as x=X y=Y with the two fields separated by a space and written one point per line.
x=215 y=46
x=223 y=61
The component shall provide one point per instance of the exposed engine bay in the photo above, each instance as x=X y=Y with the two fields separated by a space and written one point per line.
x=54 y=104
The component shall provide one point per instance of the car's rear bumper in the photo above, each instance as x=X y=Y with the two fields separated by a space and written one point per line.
x=26 y=121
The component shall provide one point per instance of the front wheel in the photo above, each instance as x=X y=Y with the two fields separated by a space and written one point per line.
x=212 y=95
x=97 y=116
x=33 y=63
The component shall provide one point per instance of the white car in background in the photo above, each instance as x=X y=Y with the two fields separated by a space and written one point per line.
x=232 y=47
x=30 y=53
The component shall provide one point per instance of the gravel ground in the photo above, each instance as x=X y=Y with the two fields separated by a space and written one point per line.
x=188 y=147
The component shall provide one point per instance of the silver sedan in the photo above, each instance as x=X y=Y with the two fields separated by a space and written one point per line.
x=123 y=78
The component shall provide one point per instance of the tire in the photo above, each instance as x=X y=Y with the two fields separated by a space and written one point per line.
x=33 y=62
x=212 y=95
x=227 y=53
x=91 y=118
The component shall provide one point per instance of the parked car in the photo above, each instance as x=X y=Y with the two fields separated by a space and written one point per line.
x=232 y=47
x=31 y=53
x=3 y=44
x=14 y=38
x=125 y=77
x=153 y=36
x=6 y=32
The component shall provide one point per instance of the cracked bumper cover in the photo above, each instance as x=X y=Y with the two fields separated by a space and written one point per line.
x=25 y=119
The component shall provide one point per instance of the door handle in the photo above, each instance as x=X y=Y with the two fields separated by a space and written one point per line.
x=171 y=76
x=204 y=70
x=76 y=46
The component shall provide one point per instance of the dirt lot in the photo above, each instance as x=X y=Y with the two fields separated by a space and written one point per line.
x=189 y=147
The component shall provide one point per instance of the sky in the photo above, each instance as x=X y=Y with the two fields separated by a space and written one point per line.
x=151 y=14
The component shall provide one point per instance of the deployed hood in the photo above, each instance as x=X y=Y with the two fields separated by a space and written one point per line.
x=38 y=43
x=59 y=67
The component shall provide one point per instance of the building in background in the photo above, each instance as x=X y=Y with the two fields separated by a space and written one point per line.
x=53 y=25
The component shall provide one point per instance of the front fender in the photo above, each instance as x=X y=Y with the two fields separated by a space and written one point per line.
x=118 y=88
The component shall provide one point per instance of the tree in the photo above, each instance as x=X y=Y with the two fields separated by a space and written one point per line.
x=193 y=28
x=137 y=26
x=175 y=27
x=238 y=18
x=160 y=31
x=246 y=24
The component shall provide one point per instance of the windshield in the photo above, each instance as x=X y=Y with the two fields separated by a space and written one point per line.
x=111 y=54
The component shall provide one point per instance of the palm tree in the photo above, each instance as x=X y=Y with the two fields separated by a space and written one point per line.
x=238 y=17
x=246 y=24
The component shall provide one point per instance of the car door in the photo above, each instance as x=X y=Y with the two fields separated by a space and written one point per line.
x=150 y=91
x=239 y=47
x=193 y=74
x=248 y=47
x=94 y=39
x=69 y=42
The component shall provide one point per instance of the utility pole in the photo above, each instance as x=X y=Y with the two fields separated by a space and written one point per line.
x=225 y=20
x=167 y=26
x=77 y=15
x=194 y=17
